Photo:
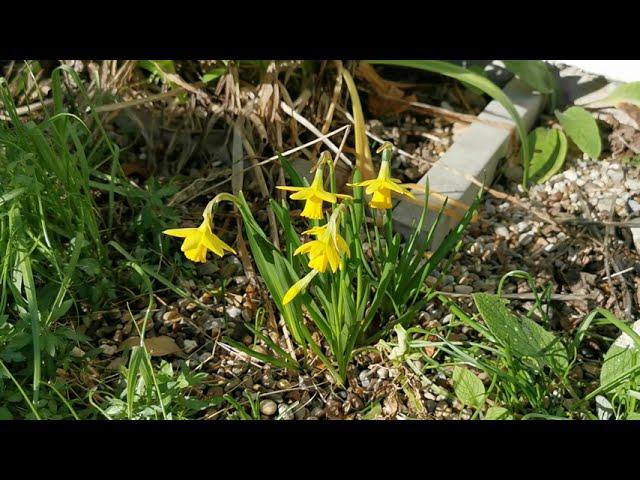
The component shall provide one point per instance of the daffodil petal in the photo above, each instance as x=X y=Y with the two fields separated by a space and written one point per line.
x=313 y=248
x=304 y=248
x=399 y=189
x=365 y=183
x=342 y=245
x=217 y=246
x=319 y=263
x=289 y=189
x=180 y=232
x=303 y=194
x=315 y=231
x=325 y=196
x=293 y=292
x=333 y=257
x=374 y=186
x=343 y=196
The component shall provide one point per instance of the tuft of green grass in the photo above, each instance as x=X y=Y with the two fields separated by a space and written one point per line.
x=49 y=224
x=528 y=366
x=53 y=252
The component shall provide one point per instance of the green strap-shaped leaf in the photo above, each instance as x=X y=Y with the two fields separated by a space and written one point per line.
x=276 y=271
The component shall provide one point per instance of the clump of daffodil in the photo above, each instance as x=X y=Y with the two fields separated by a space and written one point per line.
x=198 y=241
x=382 y=186
x=325 y=251
x=315 y=193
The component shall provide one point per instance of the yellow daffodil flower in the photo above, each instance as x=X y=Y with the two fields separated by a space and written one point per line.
x=325 y=251
x=314 y=195
x=197 y=241
x=382 y=186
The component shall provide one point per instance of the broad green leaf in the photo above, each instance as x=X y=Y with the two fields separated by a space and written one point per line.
x=523 y=337
x=478 y=81
x=534 y=73
x=4 y=198
x=544 y=142
x=625 y=93
x=582 y=128
x=385 y=279
x=560 y=155
x=633 y=416
x=497 y=413
x=617 y=364
x=549 y=152
x=633 y=394
x=468 y=387
x=292 y=240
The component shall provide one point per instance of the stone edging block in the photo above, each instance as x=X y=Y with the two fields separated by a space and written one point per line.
x=476 y=153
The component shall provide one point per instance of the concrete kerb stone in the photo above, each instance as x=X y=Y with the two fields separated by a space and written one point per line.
x=476 y=154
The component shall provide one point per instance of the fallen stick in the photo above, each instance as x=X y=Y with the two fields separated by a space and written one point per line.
x=34 y=107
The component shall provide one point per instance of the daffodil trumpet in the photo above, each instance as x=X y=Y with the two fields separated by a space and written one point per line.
x=382 y=187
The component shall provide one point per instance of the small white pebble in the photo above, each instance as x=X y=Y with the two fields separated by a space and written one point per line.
x=233 y=312
x=571 y=175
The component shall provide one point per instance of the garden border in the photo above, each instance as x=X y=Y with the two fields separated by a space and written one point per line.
x=476 y=154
